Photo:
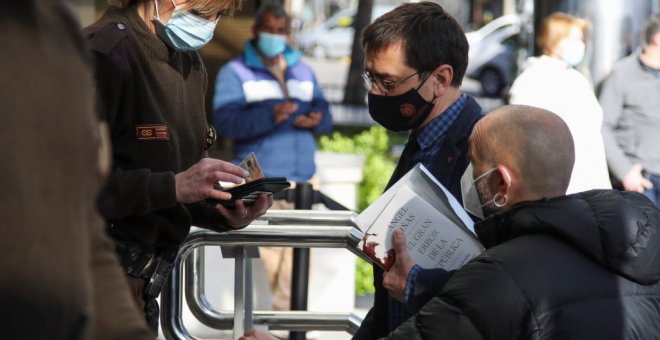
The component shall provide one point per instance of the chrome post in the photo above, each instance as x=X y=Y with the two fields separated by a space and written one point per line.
x=283 y=229
x=171 y=303
x=249 y=294
x=239 y=291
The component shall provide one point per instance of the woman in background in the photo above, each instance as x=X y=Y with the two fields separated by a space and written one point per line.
x=551 y=82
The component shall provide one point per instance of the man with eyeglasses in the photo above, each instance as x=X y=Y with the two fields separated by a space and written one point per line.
x=416 y=56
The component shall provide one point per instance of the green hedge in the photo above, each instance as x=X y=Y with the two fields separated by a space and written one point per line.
x=374 y=144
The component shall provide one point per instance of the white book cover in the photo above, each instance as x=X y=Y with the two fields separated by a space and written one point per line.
x=439 y=233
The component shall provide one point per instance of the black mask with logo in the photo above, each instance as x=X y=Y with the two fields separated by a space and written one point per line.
x=400 y=113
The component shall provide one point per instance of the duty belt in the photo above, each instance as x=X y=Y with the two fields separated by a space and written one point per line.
x=153 y=265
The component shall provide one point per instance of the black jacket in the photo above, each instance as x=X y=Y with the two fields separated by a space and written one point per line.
x=584 y=266
x=152 y=98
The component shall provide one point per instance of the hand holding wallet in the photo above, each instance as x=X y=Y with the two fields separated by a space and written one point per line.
x=248 y=192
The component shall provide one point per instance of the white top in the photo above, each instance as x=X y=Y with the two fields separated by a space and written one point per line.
x=549 y=84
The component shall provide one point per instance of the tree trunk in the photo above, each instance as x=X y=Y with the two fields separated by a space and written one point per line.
x=355 y=92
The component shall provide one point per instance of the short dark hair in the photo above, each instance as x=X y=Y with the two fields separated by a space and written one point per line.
x=429 y=37
x=273 y=8
x=651 y=28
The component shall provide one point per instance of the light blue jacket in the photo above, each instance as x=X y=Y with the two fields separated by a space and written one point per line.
x=245 y=96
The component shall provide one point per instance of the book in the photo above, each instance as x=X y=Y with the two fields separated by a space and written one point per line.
x=439 y=233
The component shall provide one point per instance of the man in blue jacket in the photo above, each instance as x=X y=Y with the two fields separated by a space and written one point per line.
x=268 y=101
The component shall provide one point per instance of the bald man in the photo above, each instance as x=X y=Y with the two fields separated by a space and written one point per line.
x=583 y=266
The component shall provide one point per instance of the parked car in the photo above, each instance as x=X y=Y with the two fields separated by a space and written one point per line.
x=493 y=54
x=334 y=38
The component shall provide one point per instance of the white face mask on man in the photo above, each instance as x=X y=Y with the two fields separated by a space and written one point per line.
x=471 y=201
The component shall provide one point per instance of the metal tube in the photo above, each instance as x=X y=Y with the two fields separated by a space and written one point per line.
x=239 y=292
x=249 y=292
x=195 y=291
x=282 y=236
x=300 y=266
x=287 y=228
x=171 y=304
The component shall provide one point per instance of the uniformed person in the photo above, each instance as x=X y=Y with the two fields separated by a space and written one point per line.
x=150 y=88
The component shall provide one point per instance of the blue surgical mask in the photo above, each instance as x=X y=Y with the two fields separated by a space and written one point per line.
x=573 y=52
x=271 y=45
x=185 y=31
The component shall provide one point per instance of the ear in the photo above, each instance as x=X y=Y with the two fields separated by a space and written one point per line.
x=442 y=77
x=655 y=39
x=505 y=181
x=255 y=31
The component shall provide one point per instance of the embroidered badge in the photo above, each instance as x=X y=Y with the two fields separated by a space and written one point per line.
x=152 y=132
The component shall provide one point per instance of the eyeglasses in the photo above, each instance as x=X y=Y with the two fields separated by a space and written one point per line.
x=383 y=85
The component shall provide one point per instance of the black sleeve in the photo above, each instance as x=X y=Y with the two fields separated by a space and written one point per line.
x=429 y=283
x=206 y=216
x=481 y=300
x=437 y=320
x=375 y=325
x=127 y=191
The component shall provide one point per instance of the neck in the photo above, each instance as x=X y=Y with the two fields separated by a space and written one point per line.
x=441 y=104
x=270 y=61
x=651 y=57
x=147 y=12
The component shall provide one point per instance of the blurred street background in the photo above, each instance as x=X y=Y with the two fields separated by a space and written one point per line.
x=501 y=34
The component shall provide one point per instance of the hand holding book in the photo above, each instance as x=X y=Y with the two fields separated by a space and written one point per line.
x=395 y=279
x=437 y=229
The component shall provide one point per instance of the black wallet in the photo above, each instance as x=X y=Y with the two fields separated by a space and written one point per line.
x=248 y=192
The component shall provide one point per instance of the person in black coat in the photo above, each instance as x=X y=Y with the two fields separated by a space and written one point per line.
x=582 y=266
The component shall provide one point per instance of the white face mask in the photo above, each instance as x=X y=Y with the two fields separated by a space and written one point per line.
x=185 y=31
x=471 y=201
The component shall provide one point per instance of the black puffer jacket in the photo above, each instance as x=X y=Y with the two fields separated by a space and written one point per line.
x=585 y=266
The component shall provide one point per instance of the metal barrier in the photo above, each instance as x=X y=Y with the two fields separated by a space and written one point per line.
x=278 y=228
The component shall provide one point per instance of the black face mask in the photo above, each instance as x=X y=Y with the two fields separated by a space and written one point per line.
x=400 y=113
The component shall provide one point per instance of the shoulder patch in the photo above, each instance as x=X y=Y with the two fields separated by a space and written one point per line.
x=105 y=37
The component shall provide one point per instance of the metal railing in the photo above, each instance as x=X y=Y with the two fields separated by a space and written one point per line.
x=277 y=228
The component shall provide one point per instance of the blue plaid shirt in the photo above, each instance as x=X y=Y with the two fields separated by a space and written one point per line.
x=430 y=140
x=433 y=134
